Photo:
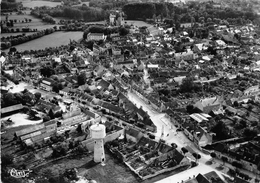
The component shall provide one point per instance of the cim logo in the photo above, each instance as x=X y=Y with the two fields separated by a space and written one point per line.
x=19 y=173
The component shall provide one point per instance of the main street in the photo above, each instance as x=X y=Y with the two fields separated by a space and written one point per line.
x=170 y=135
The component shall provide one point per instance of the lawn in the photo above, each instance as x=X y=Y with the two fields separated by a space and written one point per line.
x=53 y=40
x=33 y=4
x=20 y=119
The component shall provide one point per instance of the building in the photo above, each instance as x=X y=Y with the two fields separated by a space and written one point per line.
x=211 y=177
x=116 y=51
x=46 y=84
x=189 y=55
x=98 y=133
x=96 y=36
x=10 y=109
x=208 y=104
x=65 y=91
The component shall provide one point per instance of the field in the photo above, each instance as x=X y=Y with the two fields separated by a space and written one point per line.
x=112 y=172
x=32 y=4
x=36 y=23
x=52 y=40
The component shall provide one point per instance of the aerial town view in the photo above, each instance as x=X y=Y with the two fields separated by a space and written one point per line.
x=130 y=91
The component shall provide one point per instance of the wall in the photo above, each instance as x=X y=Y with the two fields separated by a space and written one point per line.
x=71 y=114
x=114 y=135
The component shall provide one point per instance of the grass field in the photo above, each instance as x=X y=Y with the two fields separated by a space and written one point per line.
x=112 y=172
x=36 y=23
x=33 y=4
x=52 y=40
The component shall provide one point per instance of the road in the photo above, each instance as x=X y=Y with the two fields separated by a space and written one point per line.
x=163 y=123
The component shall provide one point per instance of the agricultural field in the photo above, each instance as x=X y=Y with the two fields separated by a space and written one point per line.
x=35 y=23
x=53 y=40
x=33 y=4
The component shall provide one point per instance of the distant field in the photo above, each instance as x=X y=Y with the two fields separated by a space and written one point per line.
x=33 y=4
x=36 y=23
x=52 y=40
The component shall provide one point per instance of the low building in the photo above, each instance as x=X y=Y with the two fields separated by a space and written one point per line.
x=211 y=177
x=209 y=104
x=189 y=55
x=96 y=36
x=46 y=84
x=10 y=109
x=65 y=91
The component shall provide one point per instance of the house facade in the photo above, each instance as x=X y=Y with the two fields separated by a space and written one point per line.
x=96 y=36
x=46 y=84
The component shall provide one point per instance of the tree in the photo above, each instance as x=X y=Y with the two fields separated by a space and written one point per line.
x=48 y=173
x=123 y=31
x=135 y=11
x=29 y=98
x=79 y=129
x=19 y=98
x=47 y=71
x=237 y=164
x=82 y=78
x=7 y=159
x=187 y=85
x=51 y=114
x=224 y=159
x=213 y=155
x=37 y=96
x=250 y=133
x=9 y=99
x=12 y=50
x=184 y=150
x=71 y=174
x=196 y=156
x=46 y=118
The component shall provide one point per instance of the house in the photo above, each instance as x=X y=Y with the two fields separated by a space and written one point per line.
x=189 y=55
x=103 y=85
x=197 y=48
x=50 y=126
x=65 y=91
x=96 y=36
x=116 y=51
x=46 y=84
x=208 y=104
x=202 y=137
x=211 y=177
x=29 y=130
x=253 y=90
x=133 y=134
x=127 y=64
x=10 y=109
x=99 y=70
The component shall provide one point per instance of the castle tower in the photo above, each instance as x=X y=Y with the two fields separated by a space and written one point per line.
x=98 y=133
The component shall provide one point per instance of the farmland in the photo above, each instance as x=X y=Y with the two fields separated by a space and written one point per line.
x=52 y=40
x=33 y=4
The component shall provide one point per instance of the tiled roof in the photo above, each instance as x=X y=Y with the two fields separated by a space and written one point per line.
x=11 y=108
x=51 y=122
x=104 y=84
x=111 y=107
x=29 y=130
x=132 y=132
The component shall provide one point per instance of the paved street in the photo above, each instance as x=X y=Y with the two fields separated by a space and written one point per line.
x=178 y=138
